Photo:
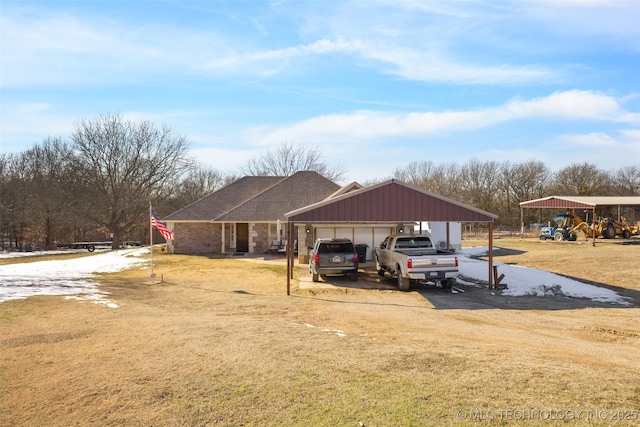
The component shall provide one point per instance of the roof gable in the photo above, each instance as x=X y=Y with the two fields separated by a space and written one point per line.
x=389 y=201
x=295 y=191
x=345 y=189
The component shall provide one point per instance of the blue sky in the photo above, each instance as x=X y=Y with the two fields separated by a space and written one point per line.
x=374 y=84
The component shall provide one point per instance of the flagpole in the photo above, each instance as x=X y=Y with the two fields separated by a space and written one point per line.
x=153 y=275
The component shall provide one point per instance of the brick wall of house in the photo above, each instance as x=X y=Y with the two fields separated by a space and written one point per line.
x=196 y=238
x=305 y=240
x=259 y=238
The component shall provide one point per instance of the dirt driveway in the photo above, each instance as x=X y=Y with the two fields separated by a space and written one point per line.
x=468 y=296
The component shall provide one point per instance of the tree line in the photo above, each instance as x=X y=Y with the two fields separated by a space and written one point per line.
x=499 y=187
x=98 y=184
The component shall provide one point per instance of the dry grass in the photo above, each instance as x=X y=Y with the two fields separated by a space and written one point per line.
x=220 y=343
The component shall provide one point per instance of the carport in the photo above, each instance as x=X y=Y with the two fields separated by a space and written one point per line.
x=392 y=201
x=579 y=202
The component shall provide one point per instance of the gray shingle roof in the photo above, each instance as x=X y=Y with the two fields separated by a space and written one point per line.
x=224 y=199
x=258 y=198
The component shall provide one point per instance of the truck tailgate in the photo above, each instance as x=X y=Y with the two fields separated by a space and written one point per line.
x=433 y=268
x=433 y=262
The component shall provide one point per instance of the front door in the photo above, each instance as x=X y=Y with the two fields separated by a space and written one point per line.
x=242 y=237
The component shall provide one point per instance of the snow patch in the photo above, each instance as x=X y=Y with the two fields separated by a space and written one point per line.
x=71 y=278
x=523 y=281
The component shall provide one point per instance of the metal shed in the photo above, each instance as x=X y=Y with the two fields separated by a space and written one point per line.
x=579 y=202
x=390 y=201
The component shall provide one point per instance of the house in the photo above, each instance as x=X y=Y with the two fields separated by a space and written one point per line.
x=247 y=216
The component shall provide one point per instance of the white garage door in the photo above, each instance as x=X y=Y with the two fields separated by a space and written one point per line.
x=370 y=236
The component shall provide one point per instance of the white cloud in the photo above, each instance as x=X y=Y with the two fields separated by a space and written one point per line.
x=76 y=49
x=574 y=104
x=621 y=148
x=29 y=121
x=269 y=62
x=60 y=48
x=371 y=125
x=222 y=159
x=591 y=140
x=435 y=66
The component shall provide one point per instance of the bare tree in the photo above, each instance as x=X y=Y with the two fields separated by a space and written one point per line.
x=11 y=189
x=440 y=179
x=120 y=166
x=416 y=173
x=520 y=182
x=479 y=184
x=287 y=159
x=47 y=198
x=627 y=181
x=581 y=179
x=197 y=183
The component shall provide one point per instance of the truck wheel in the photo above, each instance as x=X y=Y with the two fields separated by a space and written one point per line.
x=447 y=283
x=314 y=277
x=91 y=248
x=573 y=237
x=558 y=236
x=626 y=234
x=403 y=283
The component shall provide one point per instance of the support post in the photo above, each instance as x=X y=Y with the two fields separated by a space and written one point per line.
x=288 y=251
x=223 y=240
x=491 y=255
x=448 y=236
x=593 y=219
x=291 y=245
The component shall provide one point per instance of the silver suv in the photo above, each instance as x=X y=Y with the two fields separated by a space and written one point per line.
x=333 y=257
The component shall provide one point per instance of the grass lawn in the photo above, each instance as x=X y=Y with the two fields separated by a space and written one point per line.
x=220 y=343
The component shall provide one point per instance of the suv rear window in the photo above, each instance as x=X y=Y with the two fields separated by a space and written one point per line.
x=333 y=248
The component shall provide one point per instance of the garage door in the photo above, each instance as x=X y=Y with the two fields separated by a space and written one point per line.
x=370 y=236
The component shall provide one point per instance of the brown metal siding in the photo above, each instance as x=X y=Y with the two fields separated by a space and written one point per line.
x=390 y=203
x=556 y=203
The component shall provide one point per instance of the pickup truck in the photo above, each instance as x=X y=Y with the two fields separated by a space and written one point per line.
x=413 y=258
x=333 y=256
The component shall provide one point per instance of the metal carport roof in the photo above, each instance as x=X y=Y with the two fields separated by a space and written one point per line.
x=578 y=202
x=390 y=201
x=583 y=202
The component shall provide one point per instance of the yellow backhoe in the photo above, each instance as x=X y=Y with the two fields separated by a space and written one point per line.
x=606 y=228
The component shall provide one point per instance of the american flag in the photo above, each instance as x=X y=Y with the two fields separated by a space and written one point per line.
x=166 y=233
